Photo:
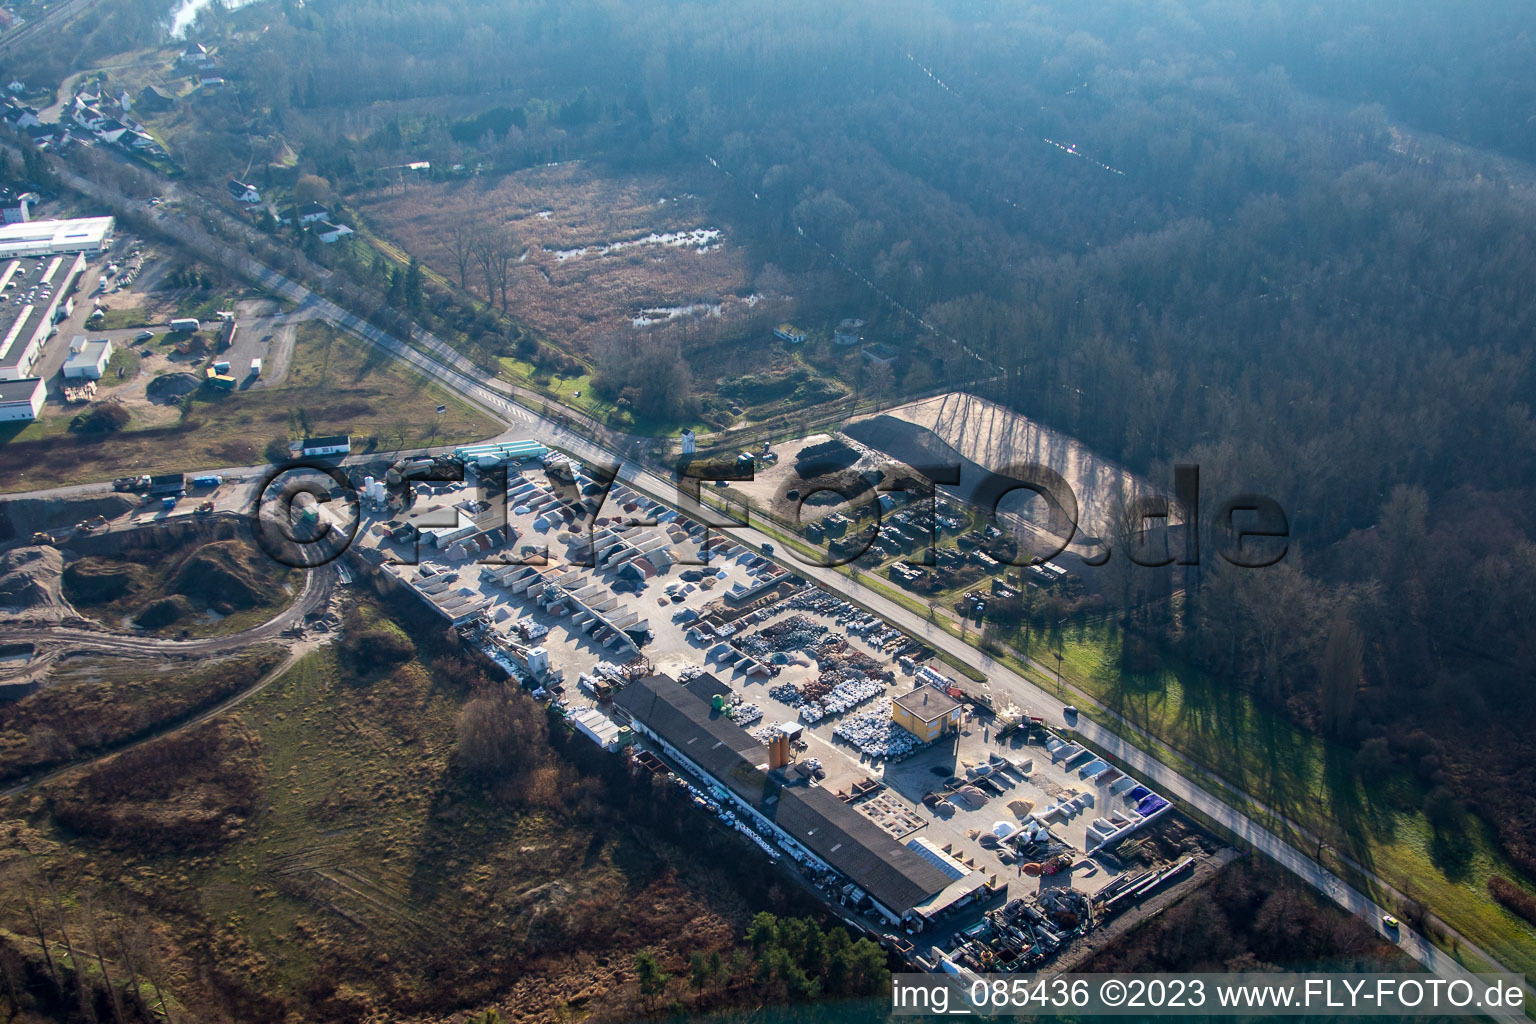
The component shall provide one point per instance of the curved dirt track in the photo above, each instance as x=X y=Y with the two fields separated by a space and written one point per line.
x=318 y=586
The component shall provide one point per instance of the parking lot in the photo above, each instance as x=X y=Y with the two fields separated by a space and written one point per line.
x=613 y=587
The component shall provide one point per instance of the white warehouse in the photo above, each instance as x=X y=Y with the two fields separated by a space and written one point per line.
x=88 y=359
x=35 y=294
x=51 y=237
x=21 y=399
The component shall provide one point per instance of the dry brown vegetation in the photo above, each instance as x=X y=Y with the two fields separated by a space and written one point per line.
x=183 y=792
x=1513 y=898
x=333 y=858
x=580 y=299
x=217 y=587
x=1250 y=917
x=340 y=385
x=92 y=705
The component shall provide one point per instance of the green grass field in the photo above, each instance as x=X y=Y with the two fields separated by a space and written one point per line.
x=122 y=368
x=118 y=319
x=1310 y=781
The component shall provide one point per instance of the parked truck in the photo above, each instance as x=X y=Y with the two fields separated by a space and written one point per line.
x=207 y=481
x=167 y=483
x=255 y=367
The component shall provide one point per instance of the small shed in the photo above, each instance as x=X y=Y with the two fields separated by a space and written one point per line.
x=88 y=359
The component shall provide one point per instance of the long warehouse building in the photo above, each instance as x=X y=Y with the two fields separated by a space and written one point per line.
x=813 y=826
x=34 y=296
x=53 y=237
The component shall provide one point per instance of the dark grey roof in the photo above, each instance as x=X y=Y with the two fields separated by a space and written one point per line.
x=707 y=738
x=327 y=442
x=928 y=702
x=706 y=684
x=681 y=714
x=893 y=875
x=18 y=390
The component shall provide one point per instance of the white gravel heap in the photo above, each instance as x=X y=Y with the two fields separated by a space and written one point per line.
x=872 y=732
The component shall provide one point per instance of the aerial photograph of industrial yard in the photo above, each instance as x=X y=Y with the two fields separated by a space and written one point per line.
x=517 y=512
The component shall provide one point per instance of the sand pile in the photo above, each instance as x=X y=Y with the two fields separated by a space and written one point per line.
x=30 y=587
x=22 y=517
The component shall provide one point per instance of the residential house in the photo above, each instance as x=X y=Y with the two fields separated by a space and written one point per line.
x=88 y=116
x=338 y=444
x=111 y=130
x=21 y=115
x=329 y=232
x=243 y=193
x=16 y=208
x=848 y=332
x=196 y=56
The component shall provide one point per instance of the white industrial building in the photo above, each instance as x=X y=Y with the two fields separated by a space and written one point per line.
x=21 y=399
x=51 y=237
x=339 y=444
x=88 y=359
x=35 y=294
x=596 y=726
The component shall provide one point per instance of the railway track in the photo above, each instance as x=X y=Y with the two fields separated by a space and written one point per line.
x=54 y=18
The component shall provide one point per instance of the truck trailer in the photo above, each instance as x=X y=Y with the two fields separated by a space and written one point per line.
x=167 y=483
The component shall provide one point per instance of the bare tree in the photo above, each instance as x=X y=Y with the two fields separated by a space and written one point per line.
x=11 y=965
x=129 y=937
x=154 y=970
x=56 y=905
x=29 y=884
x=96 y=931
x=495 y=734
x=1339 y=674
x=461 y=246
x=483 y=247
x=495 y=250
x=880 y=379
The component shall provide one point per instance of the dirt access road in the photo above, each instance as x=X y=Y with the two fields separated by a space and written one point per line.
x=319 y=585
